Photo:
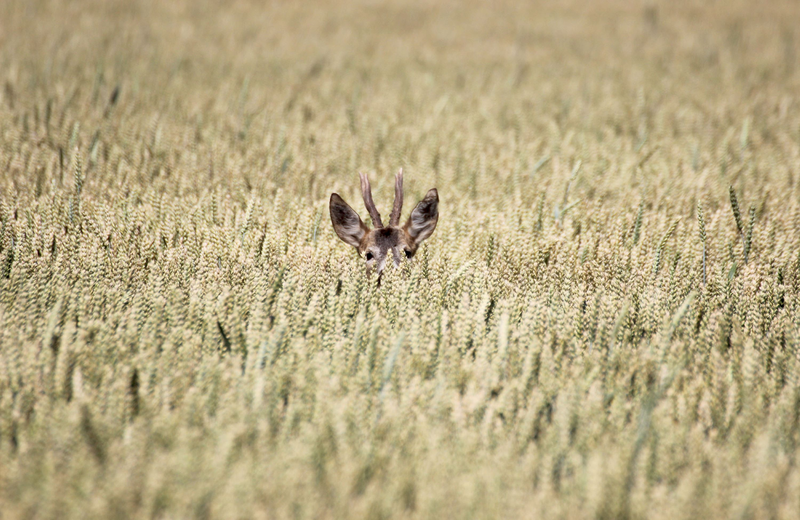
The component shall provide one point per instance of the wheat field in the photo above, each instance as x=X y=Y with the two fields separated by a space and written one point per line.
x=605 y=323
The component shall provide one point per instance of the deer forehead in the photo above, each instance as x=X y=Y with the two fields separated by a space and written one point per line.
x=383 y=238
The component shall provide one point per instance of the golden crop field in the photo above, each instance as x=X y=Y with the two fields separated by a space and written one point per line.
x=604 y=324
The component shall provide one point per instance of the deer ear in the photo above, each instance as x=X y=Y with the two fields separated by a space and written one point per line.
x=424 y=217
x=346 y=222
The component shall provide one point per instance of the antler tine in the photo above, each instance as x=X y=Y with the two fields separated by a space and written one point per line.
x=398 y=199
x=366 y=192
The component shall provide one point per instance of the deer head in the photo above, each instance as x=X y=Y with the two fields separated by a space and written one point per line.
x=377 y=244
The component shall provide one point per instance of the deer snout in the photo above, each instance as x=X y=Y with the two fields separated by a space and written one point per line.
x=397 y=256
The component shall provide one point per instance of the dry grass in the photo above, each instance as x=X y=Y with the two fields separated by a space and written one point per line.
x=592 y=331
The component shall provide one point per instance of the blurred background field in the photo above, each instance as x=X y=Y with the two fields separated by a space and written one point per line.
x=605 y=323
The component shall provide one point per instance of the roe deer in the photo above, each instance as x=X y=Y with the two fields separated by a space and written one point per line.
x=375 y=244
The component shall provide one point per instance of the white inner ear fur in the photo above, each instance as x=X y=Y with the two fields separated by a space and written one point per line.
x=423 y=219
x=346 y=222
x=421 y=227
x=351 y=232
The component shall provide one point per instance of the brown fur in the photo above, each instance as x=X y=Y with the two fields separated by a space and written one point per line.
x=377 y=244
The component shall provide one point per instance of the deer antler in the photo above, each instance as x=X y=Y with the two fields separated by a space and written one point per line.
x=394 y=220
x=366 y=192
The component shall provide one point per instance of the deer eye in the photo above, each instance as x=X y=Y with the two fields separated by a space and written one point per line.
x=408 y=253
x=369 y=256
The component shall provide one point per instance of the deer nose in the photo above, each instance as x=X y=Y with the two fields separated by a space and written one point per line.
x=397 y=257
x=380 y=265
